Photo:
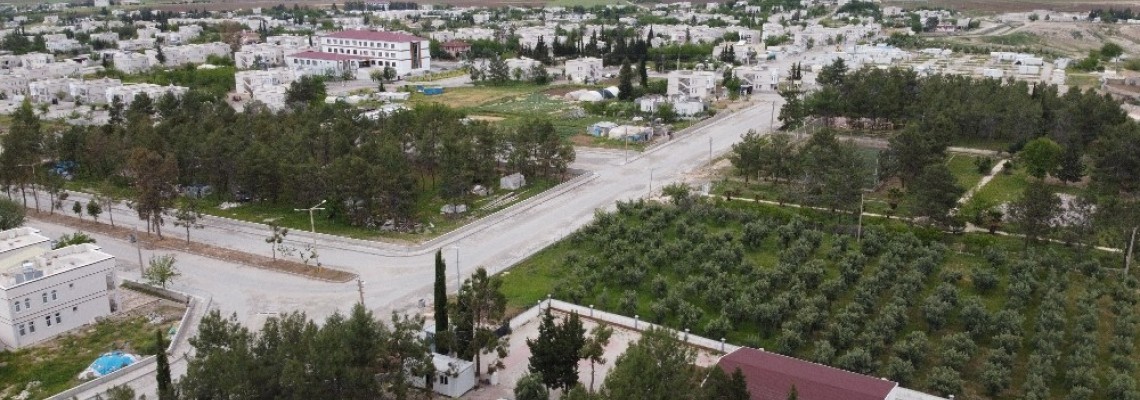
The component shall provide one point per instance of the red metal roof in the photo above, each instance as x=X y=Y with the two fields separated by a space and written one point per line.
x=320 y=55
x=455 y=43
x=377 y=36
x=770 y=376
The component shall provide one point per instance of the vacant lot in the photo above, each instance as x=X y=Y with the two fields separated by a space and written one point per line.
x=999 y=6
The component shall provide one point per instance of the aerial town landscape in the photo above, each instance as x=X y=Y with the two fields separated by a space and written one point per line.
x=569 y=199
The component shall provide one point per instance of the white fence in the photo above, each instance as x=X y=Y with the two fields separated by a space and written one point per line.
x=630 y=323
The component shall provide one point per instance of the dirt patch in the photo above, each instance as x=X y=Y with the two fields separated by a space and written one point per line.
x=152 y=242
x=1000 y=6
x=560 y=90
x=485 y=118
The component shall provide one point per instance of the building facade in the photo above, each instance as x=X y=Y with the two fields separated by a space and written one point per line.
x=405 y=53
x=49 y=292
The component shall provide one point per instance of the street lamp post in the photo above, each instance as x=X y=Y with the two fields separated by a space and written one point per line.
x=651 y=182
x=133 y=238
x=312 y=222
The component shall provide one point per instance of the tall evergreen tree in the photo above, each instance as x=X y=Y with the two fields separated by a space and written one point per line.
x=556 y=350
x=643 y=73
x=165 y=384
x=441 y=324
x=625 y=81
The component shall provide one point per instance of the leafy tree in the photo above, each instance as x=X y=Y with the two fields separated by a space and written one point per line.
x=721 y=386
x=833 y=172
x=276 y=237
x=166 y=389
x=625 y=81
x=556 y=351
x=945 y=381
x=22 y=149
x=1111 y=50
x=910 y=153
x=498 y=72
x=936 y=191
x=307 y=90
x=539 y=75
x=530 y=387
x=120 y=392
x=1115 y=166
x=187 y=216
x=653 y=368
x=1070 y=168
x=1041 y=156
x=11 y=215
x=72 y=239
x=155 y=175
x=441 y=324
x=161 y=271
x=832 y=74
x=594 y=349
x=1035 y=211
x=793 y=394
x=480 y=306
x=77 y=208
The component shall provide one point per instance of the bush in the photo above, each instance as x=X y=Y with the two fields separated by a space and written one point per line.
x=11 y=214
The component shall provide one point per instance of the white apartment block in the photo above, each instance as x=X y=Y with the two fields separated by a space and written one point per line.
x=273 y=97
x=128 y=62
x=405 y=53
x=289 y=41
x=93 y=91
x=62 y=45
x=262 y=55
x=194 y=53
x=136 y=44
x=49 y=292
x=694 y=84
x=254 y=81
x=584 y=69
x=30 y=60
x=106 y=37
x=12 y=85
x=46 y=90
x=127 y=93
x=325 y=64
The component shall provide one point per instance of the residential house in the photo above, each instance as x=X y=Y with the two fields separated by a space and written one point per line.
x=49 y=292
x=128 y=62
x=93 y=91
x=456 y=48
x=127 y=93
x=48 y=90
x=695 y=84
x=585 y=69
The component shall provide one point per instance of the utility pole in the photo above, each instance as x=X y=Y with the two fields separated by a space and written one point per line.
x=710 y=151
x=651 y=182
x=772 y=121
x=133 y=238
x=360 y=289
x=458 y=285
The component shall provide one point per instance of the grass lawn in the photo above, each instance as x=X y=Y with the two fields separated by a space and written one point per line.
x=1008 y=187
x=57 y=363
x=474 y=96
x=670 y=265
x=964 y=169
x=1013 y=39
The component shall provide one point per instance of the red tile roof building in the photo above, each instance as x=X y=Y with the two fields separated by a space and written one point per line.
x=771 y=376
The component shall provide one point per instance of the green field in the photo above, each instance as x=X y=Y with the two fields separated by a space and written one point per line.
x=778 y=279
x=1007 y=186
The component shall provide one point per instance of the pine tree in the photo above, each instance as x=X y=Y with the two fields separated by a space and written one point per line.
x=643 y=74
x=441 y=324
x=625 y=85
x=165 y=384
x=556 y=351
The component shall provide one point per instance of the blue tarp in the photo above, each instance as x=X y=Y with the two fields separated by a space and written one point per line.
x=111 y=362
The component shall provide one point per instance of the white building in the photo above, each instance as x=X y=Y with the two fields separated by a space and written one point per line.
x=251 y=82
x=127 y=93
x=453 y=377
x=128 y=62
x=584 y=69
x=194 y=53
x=93 y=91
x=12 y=85
x=695 y=84
x=46 y=90
x=259 y=55
x=49 y=292
x=325 y=64
x=405 y=53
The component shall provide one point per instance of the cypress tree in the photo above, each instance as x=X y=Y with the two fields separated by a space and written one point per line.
x=440 y=298
x=625 y=84
x=643 y=74
x=165 y=385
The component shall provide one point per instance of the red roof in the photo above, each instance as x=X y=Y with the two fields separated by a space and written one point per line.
x=377 y=36
x=770 y=376
x=455 y=43
x=320 y=55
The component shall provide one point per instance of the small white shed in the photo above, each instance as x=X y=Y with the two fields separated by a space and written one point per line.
x=453 y=377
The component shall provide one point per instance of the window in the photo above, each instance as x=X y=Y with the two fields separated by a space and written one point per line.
x=443 y=379
x=17 y=305
x=57 y=318
x=32 y=326
x=53 y=295
x=71 y=286
x=74 y=309
x=21 y=329
x=47 y=320
x=45 y=297
x=28 y=303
